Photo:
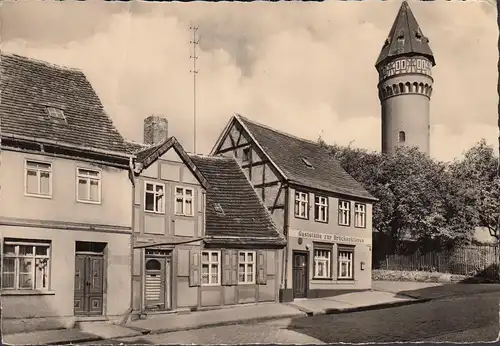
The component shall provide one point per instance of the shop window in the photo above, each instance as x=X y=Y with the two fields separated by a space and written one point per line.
x=345 y=263
x=322 y=263
x=26 y=264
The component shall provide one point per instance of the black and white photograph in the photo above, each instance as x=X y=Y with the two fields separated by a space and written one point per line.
x=261 y=172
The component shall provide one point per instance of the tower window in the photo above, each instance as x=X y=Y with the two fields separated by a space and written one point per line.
x=401 y=88
x=402 y=137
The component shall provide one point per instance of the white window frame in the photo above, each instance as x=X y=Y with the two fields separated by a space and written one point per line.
x=322 y=203
x=210 y=264
x=302 y=199
x=247 y=263
x=184 y=199
x=360 y=215
x=89 y=178
x=345 y=256
x=38 y=175
x=344 y=213
x=19 y=242
x=155 y=193
x=319 y=257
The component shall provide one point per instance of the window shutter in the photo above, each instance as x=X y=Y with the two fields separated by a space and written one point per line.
x=226 y=267
x=194 y=267
x=234 y=267
x=261 y=267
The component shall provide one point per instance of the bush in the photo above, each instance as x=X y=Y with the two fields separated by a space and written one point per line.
x=420 y=276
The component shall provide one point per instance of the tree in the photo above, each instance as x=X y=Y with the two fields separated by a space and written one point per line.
x=418 y=197
x=478 y=175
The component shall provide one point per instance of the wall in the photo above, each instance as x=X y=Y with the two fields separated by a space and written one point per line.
x=116 y=197
x=151 y=228
x=362 y=278
x=54 y=309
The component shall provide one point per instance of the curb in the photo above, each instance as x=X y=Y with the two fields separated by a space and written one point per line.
x=218 y=324
x=65 y=342
x=371 y=307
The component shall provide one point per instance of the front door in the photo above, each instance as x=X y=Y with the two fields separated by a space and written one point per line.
x=155 y=283
x=88 y=284
x=299 y=274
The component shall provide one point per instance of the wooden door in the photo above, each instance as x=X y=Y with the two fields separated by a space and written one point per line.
x=155 y=283
x=88 y=284
x=299 y=275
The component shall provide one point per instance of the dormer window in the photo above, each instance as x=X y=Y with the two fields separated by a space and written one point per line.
x=247 y=154
x=56 y=113
x=307 y=163
x=218 y=209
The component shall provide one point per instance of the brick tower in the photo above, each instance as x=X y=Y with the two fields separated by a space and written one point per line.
x=405 y=84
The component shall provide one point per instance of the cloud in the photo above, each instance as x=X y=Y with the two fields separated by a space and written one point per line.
x=304 y=68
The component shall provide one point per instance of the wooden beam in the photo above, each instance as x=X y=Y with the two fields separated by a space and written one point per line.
x=259 y=163
x=233 y=148
x=281 y=206
x=272 y=183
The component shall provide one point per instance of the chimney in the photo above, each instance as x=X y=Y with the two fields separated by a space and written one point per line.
x=155 y=129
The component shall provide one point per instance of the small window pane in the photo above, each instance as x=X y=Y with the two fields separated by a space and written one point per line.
x=215 y=256
x=178 y=205
x=205 y=257
x=250 y=257
x=149 y=187
x=8 y=280
x=31 y=182
x=82 y=189
x=189 y=207
x=189 y=193
x=159 y=188
x=9 y=249
x=94 y=190
x=149 y=201
x=45 y=183
x=42 y=251
x=25 y=250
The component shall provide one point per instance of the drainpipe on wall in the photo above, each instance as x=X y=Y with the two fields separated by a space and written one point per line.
x=285 y=231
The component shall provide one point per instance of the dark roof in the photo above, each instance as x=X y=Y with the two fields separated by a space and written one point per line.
x=288 y=153
x=30 y=86
x=244 y=215
x=149 y=154
x=134 y=147
x=405 y=38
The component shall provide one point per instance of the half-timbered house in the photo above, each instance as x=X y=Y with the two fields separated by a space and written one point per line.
x=325 y=215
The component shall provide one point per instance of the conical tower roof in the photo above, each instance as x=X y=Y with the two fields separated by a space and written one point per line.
x=405 y=38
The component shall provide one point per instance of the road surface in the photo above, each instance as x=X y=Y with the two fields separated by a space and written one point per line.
x=458 y=319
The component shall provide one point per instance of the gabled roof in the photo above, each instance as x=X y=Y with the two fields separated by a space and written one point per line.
x=292 y=155
x=244 y=218
x=405 y=38
x=148 y=154
x=30 y=86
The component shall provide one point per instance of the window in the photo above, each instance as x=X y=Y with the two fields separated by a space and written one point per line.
x=344 y=213
x=183 y=201
x=301 y=205
x=218 y=209
x=210 y=268
x=38 y=179
x=154 y=197
x=307 y=163
x=56 y=113
x=89 y=186
x=359 y=215
x=26 y=265
x=345 y=264
x=321 y=208
x=322 y=263
x=247 y=154
x=246 y=267
x=402 y=137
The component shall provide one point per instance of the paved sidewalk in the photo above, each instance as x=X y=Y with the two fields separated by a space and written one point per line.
x=163 y=323
x=351 y=302
x=431 y=290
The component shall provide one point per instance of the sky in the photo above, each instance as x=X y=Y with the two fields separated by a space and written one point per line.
x=303 y=68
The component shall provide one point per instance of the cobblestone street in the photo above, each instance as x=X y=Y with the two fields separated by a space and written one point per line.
x=466 y=319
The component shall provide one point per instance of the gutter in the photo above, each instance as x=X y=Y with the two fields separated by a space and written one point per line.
x=68 y=146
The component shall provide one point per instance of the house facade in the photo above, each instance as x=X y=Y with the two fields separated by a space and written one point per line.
x=325 y=215
x=180 y=260
x=65 y=201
